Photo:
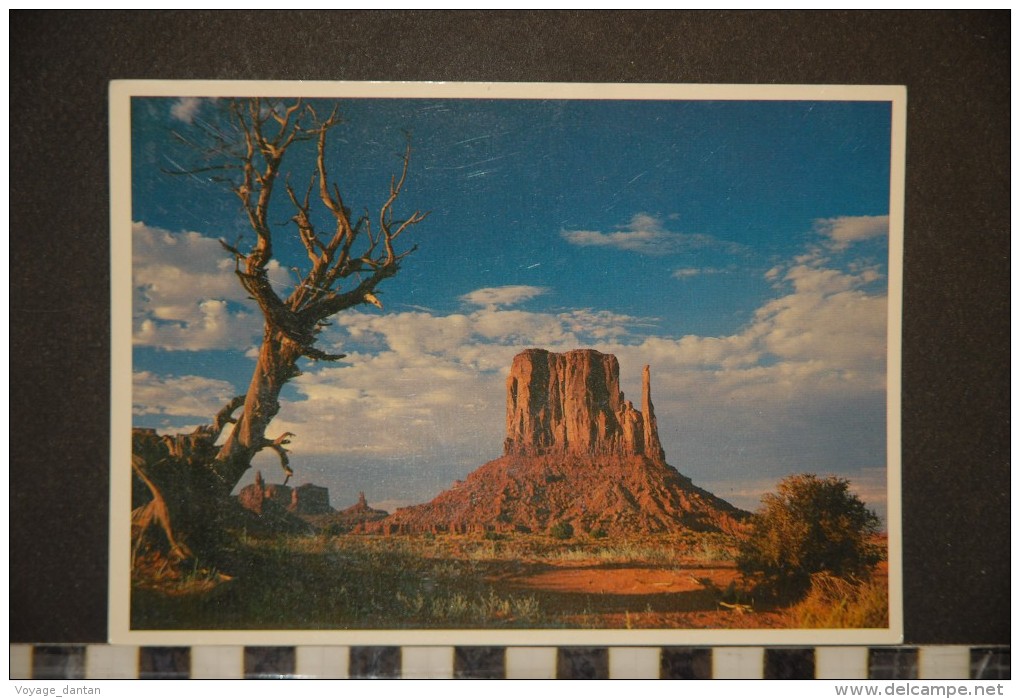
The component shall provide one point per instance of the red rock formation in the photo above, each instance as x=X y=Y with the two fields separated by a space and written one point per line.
x=576 y=451
x=309 y=499
x=306 y=499
x=354 y=518
x=259 y=496
x=361 y=513
x=571 y=403
x=268 y=508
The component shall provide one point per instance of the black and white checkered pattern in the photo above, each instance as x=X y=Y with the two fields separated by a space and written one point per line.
x=325 y=662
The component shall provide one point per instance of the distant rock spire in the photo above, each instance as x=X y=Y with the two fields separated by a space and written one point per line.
x=653 y=447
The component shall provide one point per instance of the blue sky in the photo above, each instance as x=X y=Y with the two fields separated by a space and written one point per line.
x=740 y=248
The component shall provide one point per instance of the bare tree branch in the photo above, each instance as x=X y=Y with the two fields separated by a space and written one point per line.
x=226 y=414
x=277 y=446
x=347 y=261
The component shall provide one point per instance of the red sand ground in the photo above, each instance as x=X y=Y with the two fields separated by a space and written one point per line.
x=636 y=596
x=637 y=580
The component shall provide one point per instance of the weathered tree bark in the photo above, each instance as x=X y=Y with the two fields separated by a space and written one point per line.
x=183 y=482
x=277 y=364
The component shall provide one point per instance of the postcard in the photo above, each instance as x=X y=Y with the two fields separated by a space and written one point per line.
x=505 y=364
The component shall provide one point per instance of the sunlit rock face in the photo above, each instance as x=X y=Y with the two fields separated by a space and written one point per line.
x=571 y=403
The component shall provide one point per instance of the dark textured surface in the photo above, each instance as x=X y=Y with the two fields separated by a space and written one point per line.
x=685 y=664
x=582 y=664
x=789 y=664
x=58 y=662
x=377 y=662
x=479 y=662
x=990 y=663
x=159 y=663
x=892 y=664
x=269 y=662
x=956 y=322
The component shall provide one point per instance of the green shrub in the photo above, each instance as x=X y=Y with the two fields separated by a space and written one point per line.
x=561 y=530
x=810 y=525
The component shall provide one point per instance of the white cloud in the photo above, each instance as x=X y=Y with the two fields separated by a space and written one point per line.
x=604 y=325
x=421 y=396
x=425 y=387
x=800 y=388
x=843 y=230
x=178 y=396
x=186 y=295
x=503 y=295
x=430 y=389
x=479 y=338
x=185 y=108
x=828 y=320
x=646 y=235
x=431 y=410
x=825 y=333
x=845 y=330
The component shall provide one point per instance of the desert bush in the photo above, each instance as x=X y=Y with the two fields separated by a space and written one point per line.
x=810 y=525
x=561 y=530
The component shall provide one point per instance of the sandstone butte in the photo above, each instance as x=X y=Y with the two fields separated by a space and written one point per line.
x=575 y=451
x=307 y=499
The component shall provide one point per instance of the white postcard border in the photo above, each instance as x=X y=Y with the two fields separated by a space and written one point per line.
x=122 y=91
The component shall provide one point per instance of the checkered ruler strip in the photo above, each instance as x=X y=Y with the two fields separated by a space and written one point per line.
x=322 y=662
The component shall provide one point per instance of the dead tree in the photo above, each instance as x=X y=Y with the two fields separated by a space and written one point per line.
x=182 y=481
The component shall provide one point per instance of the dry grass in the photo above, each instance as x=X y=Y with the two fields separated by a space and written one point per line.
x=467 y=581
x=839 y=603
x=346 y=582
x=156 y=572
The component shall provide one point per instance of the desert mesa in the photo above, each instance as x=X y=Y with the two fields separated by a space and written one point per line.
x=576 y=453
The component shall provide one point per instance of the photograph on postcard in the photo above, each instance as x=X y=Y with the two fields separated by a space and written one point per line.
x=413 y=358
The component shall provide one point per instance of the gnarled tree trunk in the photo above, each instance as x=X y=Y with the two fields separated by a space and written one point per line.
x=277 y=364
